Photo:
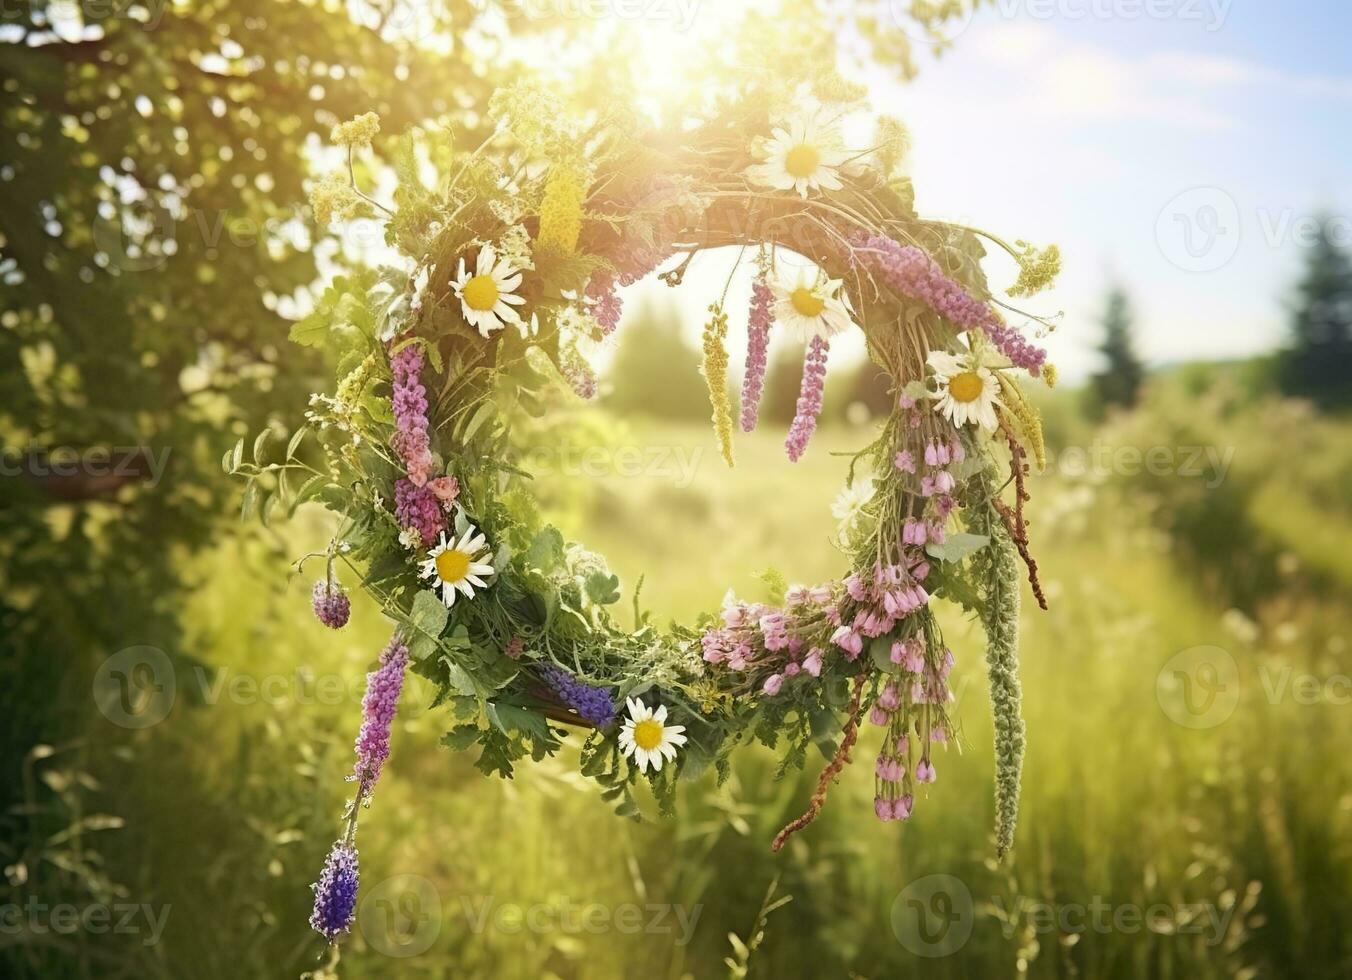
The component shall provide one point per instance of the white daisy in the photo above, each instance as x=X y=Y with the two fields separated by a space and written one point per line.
x=485 y=296
x=966 y=389
x=455 y=566
x=810 y=306
x=849 y=504
x=804 y=153
x=647 y=738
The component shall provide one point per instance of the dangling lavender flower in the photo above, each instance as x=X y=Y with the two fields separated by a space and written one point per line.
x=809 y=398
x=383 y=686
x=336 y=892
x=331 y=604
x=592 y=703
x=757 y=343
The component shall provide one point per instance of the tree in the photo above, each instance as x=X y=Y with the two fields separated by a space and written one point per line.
x=1119 y=383
x=154 y=245
x=656 y=372
x=1318 y=364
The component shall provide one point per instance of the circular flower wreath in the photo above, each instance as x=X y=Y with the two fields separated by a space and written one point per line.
x=444 y=366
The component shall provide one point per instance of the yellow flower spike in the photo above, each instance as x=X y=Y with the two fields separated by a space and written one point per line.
x=1030 y=422
x=716 y=375
x=1049 y=375
x=357 y=131
x=561 y=207
x=350 y=389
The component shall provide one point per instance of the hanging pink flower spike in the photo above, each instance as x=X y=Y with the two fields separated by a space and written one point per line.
x=757 y=346
x=809 y=399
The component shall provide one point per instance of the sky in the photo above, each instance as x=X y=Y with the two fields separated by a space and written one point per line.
x=1182 y=155
x=1178 y=148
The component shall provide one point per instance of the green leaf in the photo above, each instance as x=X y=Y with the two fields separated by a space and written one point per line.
x=312 y=331
x=880 y=650
x=461 y=737
x=956 y=547
x=459 y=678
x=484 y=412
x=775 y=584
x=426 y=621
x=295 y=442
x=546 y=551
x=603 y=589
x=250 y=501
x=511 y=718
x=260 y=444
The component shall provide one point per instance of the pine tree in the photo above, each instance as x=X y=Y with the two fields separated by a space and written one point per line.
x=1119 y=383
x=1319 y=363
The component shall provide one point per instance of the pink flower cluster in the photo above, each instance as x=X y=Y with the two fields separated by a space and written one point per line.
x=911 y=272
x=409 y=401
x=809 y=399
x=378 y=706
x=920 y=683
x=882 y=600
x=755 y=635
x=419 y=508
x=757 y=345
x=937 y=484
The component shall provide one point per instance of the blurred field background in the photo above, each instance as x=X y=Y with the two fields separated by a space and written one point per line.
x=1187 y=695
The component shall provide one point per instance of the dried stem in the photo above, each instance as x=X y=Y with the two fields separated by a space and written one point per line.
x=829 y=774
x=1013 y=517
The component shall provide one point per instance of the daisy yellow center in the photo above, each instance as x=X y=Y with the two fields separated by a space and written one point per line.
x=965 y=387
x=481 y=293
x=806 y=302
x=802 y=160
x=452 y=566
x=648 y=734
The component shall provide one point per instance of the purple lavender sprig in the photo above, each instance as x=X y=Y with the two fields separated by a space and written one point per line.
x=408 y=399
x=913 y=273
x=757 y=341
x=336 y=892
x=378 y=706
x=592 y=703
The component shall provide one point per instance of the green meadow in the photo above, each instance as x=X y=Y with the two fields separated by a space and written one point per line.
x=1186 y=807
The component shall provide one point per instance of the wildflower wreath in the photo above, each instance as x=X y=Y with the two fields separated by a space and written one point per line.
x=445 y=367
